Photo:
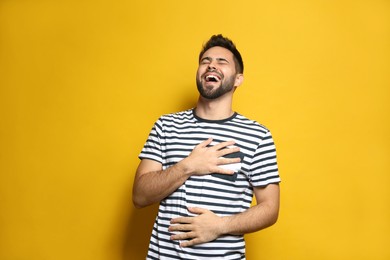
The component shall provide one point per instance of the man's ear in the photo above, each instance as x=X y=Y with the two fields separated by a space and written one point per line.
x=239 y=80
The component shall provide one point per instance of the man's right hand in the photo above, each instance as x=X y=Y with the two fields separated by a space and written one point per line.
x=205 y=159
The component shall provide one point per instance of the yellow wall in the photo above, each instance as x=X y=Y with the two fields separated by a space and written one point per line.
x=81 y=83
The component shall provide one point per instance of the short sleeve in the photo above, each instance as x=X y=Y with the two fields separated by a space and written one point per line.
x=153 y=146
x=264 y=167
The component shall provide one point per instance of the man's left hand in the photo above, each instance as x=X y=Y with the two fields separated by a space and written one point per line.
x=204 y=227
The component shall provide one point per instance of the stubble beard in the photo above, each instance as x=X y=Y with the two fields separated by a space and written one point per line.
x=216 y=92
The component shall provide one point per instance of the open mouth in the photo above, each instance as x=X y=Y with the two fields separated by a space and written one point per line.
x=212 y=78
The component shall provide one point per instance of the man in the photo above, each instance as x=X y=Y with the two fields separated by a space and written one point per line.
x=203 y=166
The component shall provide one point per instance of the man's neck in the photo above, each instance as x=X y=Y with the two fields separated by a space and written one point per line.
x=214 y=109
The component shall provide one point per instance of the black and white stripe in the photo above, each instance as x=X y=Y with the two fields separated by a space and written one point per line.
x=171 y=139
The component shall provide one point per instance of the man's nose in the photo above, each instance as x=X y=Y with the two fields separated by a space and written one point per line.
x=211 y=67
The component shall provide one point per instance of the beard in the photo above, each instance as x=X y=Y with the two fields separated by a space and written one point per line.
x=213 y=93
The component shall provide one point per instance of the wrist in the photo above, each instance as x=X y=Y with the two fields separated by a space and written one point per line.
x=229 y=226
x=224 y=225
x=184 y=167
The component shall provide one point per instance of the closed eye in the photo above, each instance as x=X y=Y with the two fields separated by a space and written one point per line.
x=222 y=61
x=205 y=60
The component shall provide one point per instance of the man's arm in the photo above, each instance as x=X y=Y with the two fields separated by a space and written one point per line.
x=152 y=184
x=207 y=226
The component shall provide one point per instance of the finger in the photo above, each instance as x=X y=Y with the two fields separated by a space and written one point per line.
x=223 y=144
x=191 y=242
x=223 y=160
x=196 y=210
x=228 y=168
x=180 y=228
x=182 y=236
x=182 y=220
x=205 y=143
x=221 y=170
x=229 y=151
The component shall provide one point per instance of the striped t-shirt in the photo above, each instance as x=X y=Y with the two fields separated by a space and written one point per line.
x=171 y=139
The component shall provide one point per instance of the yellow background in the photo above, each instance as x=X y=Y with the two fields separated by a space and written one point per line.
x=81 y=83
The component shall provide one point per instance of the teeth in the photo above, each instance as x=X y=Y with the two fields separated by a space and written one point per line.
x=211 y=77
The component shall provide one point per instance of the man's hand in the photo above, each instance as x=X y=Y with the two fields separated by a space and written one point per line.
x=205 y=159
x=200 y=229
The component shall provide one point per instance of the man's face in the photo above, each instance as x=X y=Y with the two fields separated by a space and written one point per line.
x=216 y=73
